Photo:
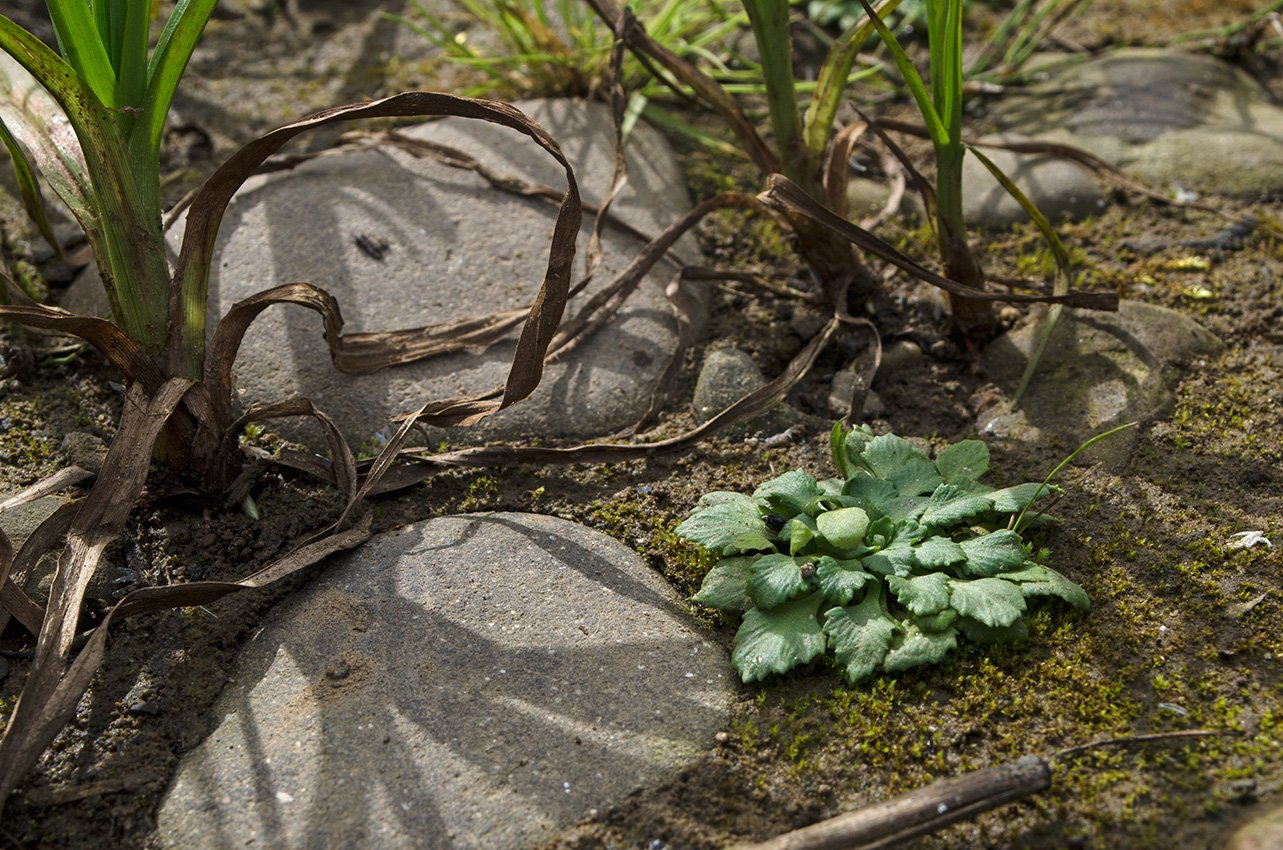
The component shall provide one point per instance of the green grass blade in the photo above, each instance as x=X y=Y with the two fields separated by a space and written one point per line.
x=101 y=11
x=32 y=200
x=177 y=41
x=1058 y=250
x=37 y=123
x=1084 y=447
x=131 y=62
x=945 y=38
x=832 y=81
x=935 y=127
x=1061 y=285
x=85 y=52
x=770 y=22
x=1001 y=36
x=669 y=121
x=130 y=253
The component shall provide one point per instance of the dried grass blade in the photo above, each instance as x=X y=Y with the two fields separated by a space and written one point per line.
x=341 y=471
x=111 y=342
x=1088 y=160
x=605 y=303
x=51 y=691
x=207 y=210
x=47 y=535
x=837 y=174
x=17 y=603
x=14 y=568
x=703 y=85
x=782 y=194
x=59 y=481
x=864 y=380
x=676 y=295
x=363 y=353
x=752 y=405
x=618 y=166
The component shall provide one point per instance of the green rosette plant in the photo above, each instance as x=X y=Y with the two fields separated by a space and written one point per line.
x=885 y=565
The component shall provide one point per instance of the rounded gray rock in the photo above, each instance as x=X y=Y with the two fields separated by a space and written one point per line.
x=403 y=242
x=1173 y=119
x=1059 y=189
x=727 y=376
x=476 y=681
x=1099 y=370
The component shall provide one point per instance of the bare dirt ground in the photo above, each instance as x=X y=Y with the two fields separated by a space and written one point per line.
x=1184 y=631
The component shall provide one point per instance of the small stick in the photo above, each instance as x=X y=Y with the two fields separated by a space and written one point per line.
x=922 y=811
x=942 y=803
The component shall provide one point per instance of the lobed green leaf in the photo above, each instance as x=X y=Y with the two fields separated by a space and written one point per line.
x=789 y=494
x=876 y=495
x=725 y=587
x=997 y=552
x=992 y=601
x=775 y=579
x=964 y=461
x=1057 y=585
x=799 y=532
x=888 y=454
x=936 y=622
x=916 y=647
x=844 y=528
x=923 y=595
x=726 y=522
x=778 y=640
x=1013 y=499
x=896 y=559
x=950 y=505
x=916 y=478
x=860 y=635
x=840 y=580
x=936 y=552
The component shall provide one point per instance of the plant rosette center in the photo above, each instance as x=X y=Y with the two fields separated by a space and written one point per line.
x=883 y=566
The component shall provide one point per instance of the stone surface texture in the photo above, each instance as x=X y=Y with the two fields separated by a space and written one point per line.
x=727 y=375
x=1100 y=370
x=1173 y=119
x=1265 y=832
x=447 y=246
x=1058 y=188
x=472 y=681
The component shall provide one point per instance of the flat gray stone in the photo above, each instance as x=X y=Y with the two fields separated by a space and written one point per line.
x=1173 y=119
x=476 y=681
x=1099 y=371
x=454 y=247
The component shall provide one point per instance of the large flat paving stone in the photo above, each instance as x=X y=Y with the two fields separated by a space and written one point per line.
x=475 y=681
x=404 y=242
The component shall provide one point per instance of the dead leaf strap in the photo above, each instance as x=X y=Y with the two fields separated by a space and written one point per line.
x=52 y=690
x=121 y=351
x=784 y=195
